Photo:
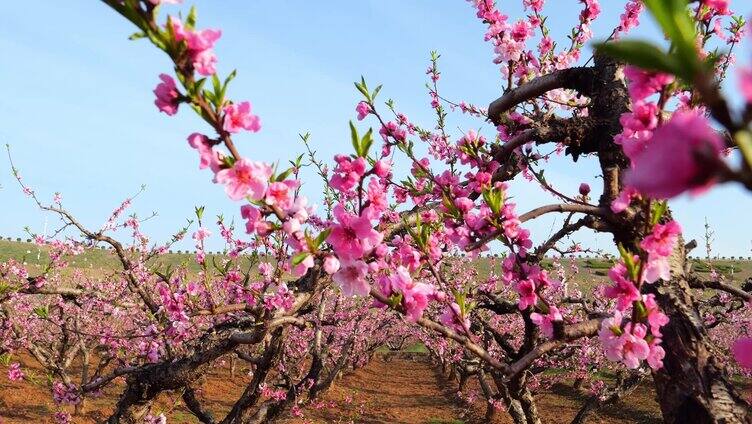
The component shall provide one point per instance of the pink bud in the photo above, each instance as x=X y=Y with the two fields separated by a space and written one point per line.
x=331 y=265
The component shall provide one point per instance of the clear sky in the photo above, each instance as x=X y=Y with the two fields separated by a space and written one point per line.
x=77 y=104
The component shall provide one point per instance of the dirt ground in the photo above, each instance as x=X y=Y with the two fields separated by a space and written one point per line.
x=401 y=390
x=415 y=392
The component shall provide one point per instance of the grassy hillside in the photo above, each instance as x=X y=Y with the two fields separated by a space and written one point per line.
x=95 y=259
x=591 y=270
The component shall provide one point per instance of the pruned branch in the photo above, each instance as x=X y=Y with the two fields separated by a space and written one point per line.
x=579 y=79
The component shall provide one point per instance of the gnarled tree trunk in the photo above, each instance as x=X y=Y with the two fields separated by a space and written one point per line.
x=693 y=386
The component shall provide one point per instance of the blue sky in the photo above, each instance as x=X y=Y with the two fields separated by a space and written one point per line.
x=77 y=104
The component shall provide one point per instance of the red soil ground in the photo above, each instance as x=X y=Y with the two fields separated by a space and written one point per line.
x=396 y=391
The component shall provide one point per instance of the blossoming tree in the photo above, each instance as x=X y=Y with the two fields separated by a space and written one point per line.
x=405 y=248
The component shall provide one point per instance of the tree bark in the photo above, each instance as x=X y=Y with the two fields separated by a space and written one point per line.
x=693 y=386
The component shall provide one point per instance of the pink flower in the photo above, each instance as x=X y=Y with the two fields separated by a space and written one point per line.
x=62 y=417
x=452 y=318
x=278 y=193
x=627 y=345
x=252 y=216
x=363 y=110
x=245 y=178
x=382 y=168
x=415 y=296
x=205 y=62
x=238 y=116
x=528 y=296
x=291 y=226
x=199 y=45
x=545 y=45
x=14 y=372
x=621 y=203
x=631 y=16
x=347 y=173
x=623 y=290
x=663 y=238
x=546 y=322
x=392 y=129
x=331 y=265
x=201 y=234
x=521 y=30
x=642 y=83
x=202 y=40
x=745 y=83
x=609 y=336
x=634 y=348
x=719 y=6
x=742 y=350
x=266 y=270
x=168 y=96
x=656 y=318
x=351 y=277
x=300 y=269
x=353 y=236
x=208 y=157
x=657 y=268
x=669 y=163
x=464 y=204
x=535 y=5
x=656 y=354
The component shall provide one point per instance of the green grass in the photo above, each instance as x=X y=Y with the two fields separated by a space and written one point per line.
x=413 y=348
x=593 y=271
x=96 y=259
x=597 y=264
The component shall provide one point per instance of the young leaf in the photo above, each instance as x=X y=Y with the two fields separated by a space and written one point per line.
x=190 y=20
x=642 y=54
x=355 y=138
x=137 y=36
x=299 y=258
x=376 y=92
x=322 y=237
x=366 y=142
x=674 y=19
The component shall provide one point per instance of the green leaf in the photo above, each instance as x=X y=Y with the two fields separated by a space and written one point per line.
x=743 y=139
x=641 y=311
x=355 y=138
x=366 y=142
x=199 y=85
x=190 y=21
x=231 y=77
x=286 y=173
x=363 y=88
x=42 y=311
x=642 y=54
x=299 y=258
x=376 y=92
x=322 y=237
x=217 y=90
x=629 y=261
x=673 y=17
x=658 y=209
x=137 y=36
